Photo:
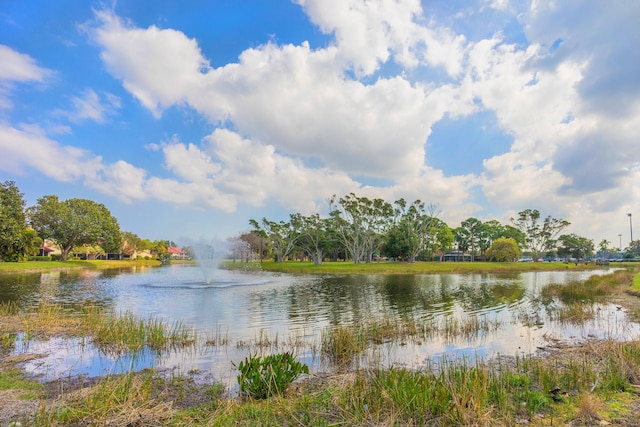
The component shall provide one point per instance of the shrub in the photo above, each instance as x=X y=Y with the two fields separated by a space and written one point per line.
x=40 y=258
x=262 y=377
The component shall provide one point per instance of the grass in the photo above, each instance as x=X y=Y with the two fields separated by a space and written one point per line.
x=115 y=333
x=389 y=267
x=31 y=266
x=635 y=286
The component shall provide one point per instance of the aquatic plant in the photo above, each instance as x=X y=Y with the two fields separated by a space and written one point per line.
x=262 y=377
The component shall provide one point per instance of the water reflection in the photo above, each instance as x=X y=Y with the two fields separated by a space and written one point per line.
x=279 y=309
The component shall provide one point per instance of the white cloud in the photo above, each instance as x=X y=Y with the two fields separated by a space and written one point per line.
x=17 y=68
x=290 y=96
x=368 y=33
x=159 y=66
x=29 y=148
x=90 y=106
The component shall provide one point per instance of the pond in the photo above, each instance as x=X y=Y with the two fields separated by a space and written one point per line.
x=250 y=312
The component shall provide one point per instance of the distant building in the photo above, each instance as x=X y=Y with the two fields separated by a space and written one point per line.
x=457 y=257
x=177 y=253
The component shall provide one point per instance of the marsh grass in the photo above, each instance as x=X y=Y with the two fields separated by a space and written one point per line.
x=218 y=338
x=123 y=400
x=578 y=299
x=111 y=332
x=341 y=344
x=591 y=290
x=573 y=386
x=125 y=332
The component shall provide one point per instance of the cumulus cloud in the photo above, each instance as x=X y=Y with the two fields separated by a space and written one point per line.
x=281 y=108
x=292 y=97
x=604 y=36
x=131 y=53
x=368 y=33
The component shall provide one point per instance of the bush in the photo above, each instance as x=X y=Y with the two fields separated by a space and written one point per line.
x=40 y=258
x=262 y=377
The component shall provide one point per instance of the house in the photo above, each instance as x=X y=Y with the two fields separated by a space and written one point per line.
x=177 y=253
x=49 y=248
x=457 y=257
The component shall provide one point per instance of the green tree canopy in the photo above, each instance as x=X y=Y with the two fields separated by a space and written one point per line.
x=12 y=222
x=361 y=224
x=314 y=235
x=540 y=237
x=504 y=250
x=572 y=245
x=74 y=222
x=282 y=236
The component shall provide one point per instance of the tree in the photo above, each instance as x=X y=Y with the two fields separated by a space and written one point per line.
x=461 y=239
x=412 y=230
x=74 y=222
x=442 y=238
x=281 y=236
x=12 y=222
x=539 y=237
x=572 y=245
x=130 y=243
x=511 y=232
x=633 y=250
x=489 y=232
x=31 y=242
x=256 y=242
x=89 y=251
x=360 y=224
x=471 y=231
x=504 y=249
x=314 y=239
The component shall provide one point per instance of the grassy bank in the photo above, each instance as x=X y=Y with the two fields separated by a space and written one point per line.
x=389 y=267
x=30 y=266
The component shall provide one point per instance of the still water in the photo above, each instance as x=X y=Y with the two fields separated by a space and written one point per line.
x=291 y=313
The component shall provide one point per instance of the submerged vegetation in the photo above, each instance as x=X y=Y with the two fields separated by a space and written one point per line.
x=597 y=382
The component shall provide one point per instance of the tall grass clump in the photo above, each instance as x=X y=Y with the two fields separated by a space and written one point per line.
x=590 y=290
x=341 y=344
x=126 y=332
x=127 y=400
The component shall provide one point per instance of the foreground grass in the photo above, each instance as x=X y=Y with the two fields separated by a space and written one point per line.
x=389 y=267
x=30 y=266
x=581 y=386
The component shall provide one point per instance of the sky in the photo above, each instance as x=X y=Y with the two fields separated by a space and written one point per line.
x=186 y=119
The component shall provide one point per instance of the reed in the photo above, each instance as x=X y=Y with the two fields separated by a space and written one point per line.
x=126 y=333
x=591 y=290
x=341 y=344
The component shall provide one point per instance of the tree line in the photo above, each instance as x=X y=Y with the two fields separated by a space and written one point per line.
x=74 y=225
x=361 y=229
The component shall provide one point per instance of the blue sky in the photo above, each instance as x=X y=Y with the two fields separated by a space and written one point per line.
x=187 y=119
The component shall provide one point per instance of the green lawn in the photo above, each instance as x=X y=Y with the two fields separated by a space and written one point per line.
x=636 y=283
x=416 y=267
x=17 y=267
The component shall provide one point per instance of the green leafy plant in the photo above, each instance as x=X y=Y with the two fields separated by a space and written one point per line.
x=263 y=377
